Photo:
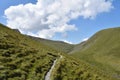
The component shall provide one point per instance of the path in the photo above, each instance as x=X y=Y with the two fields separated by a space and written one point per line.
x=47 y=77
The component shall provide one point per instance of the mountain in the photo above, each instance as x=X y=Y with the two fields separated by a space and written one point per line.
x=102 y=50
x=57 y=45
x=77 y=47
x=23 y=58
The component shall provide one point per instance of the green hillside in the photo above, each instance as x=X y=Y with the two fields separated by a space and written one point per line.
x=57 y=45
x=77 y=47
x=102 y=50
x=69 y=68
x=22 y=58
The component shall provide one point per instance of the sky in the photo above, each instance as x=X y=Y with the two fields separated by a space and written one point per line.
x=71 y=21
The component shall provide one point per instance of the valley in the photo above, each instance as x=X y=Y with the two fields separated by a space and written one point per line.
x=25 y=57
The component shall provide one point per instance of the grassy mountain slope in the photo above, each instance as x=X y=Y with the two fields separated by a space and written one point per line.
x=22 y=58
x=77 y=47
x=102 y=50
x=68 y=68
x=57 y=45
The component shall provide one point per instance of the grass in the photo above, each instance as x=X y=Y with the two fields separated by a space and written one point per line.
x=57 y=45
x=72 y=69
x=23 y=58
x=102 y=50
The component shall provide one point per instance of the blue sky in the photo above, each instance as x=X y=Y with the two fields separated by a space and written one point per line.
x=4 y=4
x=86 y=27
x=89 y=27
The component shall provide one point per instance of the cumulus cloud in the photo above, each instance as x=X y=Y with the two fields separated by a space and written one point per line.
x=48 y=17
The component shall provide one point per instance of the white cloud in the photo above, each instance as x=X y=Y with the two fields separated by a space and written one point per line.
x=48 y=17
x=67 y=41
x=85 y=39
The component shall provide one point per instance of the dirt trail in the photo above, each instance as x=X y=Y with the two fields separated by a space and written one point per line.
x=47 y=77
